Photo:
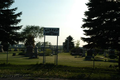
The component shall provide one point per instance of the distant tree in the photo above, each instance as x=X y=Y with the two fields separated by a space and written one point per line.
x=102 y=24
x=68 y=44
x=77 y=43
x=46 y=43
x=30 y=41
x=38 y=44
x=31 y=32
x=8 y=24
x=35 y=31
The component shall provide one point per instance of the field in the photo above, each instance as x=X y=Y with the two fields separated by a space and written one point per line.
x=69 y=67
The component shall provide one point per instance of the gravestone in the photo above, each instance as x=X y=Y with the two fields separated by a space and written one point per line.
x=34 y=55
x=112 y=54
x=83 y=54
x=15 y=49
x=89 y=55
x=29 y=51
x=1 y=48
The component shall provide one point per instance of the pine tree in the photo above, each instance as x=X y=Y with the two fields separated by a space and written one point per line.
x=8 y=23
x=102 y=24
x=68 y=44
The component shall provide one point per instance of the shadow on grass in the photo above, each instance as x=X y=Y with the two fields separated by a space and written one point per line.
x=59 y=71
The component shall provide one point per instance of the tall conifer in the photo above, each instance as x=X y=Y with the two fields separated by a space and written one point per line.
x=8 y=23
x=102 y=24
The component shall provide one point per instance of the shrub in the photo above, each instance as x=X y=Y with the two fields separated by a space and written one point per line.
x=48 y=52
x=76 y=51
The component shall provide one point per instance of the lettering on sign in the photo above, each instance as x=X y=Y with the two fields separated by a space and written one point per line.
x=51 y=31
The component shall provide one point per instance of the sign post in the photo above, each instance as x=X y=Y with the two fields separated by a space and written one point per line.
x=51 y=32
x=44 y=51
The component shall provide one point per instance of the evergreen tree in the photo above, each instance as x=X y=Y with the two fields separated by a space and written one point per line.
x=8 y=23
x=68 y=44
x=102 y=24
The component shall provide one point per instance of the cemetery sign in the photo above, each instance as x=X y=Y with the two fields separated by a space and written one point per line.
x=51 y=31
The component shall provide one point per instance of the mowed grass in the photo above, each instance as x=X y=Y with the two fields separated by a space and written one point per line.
x=68 y=67
x=63 y=59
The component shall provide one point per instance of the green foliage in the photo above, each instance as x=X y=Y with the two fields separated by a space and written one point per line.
x=29 y=33
x=5 y=45
x=35 y=31
x=68 y=44
x=77 y=43
x=30 y=41
x=102 y=24
x=48 y=52
x=8 y=23
x=76 y=51
x=38 y=44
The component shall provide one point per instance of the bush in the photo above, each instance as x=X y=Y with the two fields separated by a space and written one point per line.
x=76 y=51
x=48 y=52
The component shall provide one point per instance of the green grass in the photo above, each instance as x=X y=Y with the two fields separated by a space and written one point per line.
x=60 y=71
x=68 y=67
x=63 y=59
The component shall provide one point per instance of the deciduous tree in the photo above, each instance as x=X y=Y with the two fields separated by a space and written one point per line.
x=31 y=32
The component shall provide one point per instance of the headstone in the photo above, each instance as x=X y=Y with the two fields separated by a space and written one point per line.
x=15 y=49
x=89 y=55
x=14 y=54
x=1 y=48
x=29 y=51
x=34 y=55
x=83 y=54
x=112 y=54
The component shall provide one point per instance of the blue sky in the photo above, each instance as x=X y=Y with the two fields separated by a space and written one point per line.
x=64 y=14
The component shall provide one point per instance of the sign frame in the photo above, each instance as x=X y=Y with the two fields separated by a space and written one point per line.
x=50 y=32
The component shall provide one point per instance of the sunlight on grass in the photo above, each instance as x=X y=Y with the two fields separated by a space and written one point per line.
x=63 y=59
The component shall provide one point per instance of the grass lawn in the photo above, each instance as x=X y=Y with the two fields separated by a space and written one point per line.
x=68 y=67
x=63 y=59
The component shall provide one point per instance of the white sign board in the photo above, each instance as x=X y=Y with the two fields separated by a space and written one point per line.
x=51 y=31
